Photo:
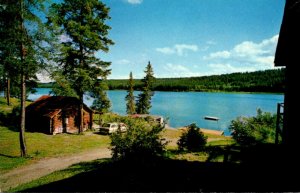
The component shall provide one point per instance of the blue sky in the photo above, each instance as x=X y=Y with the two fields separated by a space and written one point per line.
x=183 y=38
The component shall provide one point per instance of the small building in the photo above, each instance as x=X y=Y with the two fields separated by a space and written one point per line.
x=57 y=114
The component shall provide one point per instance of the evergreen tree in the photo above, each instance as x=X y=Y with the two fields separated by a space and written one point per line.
x=101 y=103
x=130 y=105
x=61 y=86
x=22 y=47
x=144 y=98
x=81 y=23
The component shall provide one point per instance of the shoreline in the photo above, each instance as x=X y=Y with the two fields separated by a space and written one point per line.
x=204 y=130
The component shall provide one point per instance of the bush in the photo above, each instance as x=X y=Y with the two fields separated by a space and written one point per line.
x=141 y=141
x=254 y=130
x=193 y=139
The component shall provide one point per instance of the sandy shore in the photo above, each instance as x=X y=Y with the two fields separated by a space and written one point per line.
x=206 y=131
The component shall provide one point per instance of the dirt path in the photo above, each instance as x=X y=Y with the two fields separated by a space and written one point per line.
x=46 y=166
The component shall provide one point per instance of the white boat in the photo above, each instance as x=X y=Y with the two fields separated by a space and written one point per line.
x=211 y=118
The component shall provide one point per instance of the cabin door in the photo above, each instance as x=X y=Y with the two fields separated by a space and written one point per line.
x=65 y=122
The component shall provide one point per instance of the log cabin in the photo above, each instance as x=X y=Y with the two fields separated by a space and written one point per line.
x=57 y=114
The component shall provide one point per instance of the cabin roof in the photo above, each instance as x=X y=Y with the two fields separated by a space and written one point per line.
x=287 y=50
x=50 y=106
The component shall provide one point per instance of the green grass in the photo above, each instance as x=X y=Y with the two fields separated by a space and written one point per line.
x=4 y=108
x=69 y=141
x=41 y=145
x=224 y=142
x=60 y=175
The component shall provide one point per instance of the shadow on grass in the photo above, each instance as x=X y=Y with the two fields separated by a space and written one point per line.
x=9 y=156
x=260 y=169
x=10 y=120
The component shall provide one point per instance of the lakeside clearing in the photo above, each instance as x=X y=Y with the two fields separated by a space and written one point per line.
x=49 y=153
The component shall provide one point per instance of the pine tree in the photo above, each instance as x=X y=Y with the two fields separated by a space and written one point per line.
x=83 y=23
x=101 y=103
x=22 y=45
x=144 y=98
x=130 y=105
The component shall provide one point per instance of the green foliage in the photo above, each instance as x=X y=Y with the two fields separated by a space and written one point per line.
x=193 y=139
x=20 y=27
x=254 y=130
x=82 y=25
x=61 y=86
x=23 y=47
x=101 y=103
x=141 y=141
x=130 y=104
x=259 y=81
x=143 y=104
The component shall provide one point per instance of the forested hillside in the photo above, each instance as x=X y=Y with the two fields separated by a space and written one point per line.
x=259 y=81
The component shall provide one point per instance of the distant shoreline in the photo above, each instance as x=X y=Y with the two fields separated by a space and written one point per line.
x=267 y=81
x=210 y=91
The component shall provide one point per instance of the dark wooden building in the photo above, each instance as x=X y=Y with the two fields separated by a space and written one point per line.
x=288 y=55
x=57 y=114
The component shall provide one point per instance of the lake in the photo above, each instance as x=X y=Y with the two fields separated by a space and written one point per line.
x=184 y=108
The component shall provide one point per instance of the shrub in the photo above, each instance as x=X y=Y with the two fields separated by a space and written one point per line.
x=254 y=130
x=141 y=141
x=193 y=139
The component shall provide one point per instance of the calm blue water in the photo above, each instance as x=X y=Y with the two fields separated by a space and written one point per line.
x=184 y=108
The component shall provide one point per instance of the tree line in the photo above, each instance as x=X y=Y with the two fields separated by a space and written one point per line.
x=258 y=81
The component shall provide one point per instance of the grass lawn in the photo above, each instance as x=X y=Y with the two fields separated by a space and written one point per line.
x=62 y=174
x=216 y=141
x=167 y=175
x=40 y=145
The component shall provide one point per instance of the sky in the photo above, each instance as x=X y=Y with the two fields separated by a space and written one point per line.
x=185 y=38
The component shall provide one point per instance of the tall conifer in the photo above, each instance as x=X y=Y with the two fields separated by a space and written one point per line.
x=130 y=104
x=144 y=98
x=22 y=41
x=82 y=24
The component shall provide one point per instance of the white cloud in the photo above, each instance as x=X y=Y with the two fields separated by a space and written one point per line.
x=257 y=55
x=221 y=54
x=44 y=77
x=166 y=50
x=211 y=42
x=135 y=1
x=122 y=62
x=177 y=70
x=219 y=68
x=64 y=38
x=179 y=49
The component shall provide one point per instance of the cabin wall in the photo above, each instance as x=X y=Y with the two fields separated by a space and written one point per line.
x=68 y=122
x=57 y=125
x=64 y=121
x=86 y=120
x=37 y=123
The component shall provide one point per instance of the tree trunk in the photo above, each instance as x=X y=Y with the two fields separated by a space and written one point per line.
x=80 y=113
x=8 y=91
x=22 y=124
x=23 y=89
